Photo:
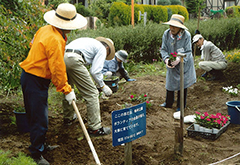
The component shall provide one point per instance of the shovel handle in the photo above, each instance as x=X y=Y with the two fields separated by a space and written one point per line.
x=86 y=134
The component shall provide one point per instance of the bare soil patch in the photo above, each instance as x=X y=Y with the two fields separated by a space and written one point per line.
x=155 y=148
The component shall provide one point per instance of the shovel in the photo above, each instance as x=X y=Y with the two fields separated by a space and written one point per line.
x=86 y=134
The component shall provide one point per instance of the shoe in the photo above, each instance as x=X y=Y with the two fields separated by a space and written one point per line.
x=165 y=105
x=41 y=161
x=204 y=75
x=100 y=132
x=212 y=78
x=68 y=121
x=50 y=148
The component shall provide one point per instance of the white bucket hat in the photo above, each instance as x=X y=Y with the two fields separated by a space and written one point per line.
x=110 y=44
x=65 y=17
x=122 y=55
x=177 y=21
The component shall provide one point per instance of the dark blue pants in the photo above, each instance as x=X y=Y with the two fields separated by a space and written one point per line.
x=35 y=94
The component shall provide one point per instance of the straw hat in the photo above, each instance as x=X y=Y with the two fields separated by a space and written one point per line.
x=177 y=21
x=110 y=44
x=65 y=17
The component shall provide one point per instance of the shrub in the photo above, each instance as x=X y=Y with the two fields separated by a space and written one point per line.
x=163 y=2
x=54 y=3
x=120 y=14
x=175 y=2
x=160 y=14
x=101 y=9
x=17 y=30
x=233 y=11
x=86 y=12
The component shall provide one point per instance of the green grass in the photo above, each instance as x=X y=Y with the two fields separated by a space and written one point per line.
x=21 y=159
x=141 y=69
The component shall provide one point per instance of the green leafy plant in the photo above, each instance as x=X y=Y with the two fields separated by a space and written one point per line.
x=211 y=120
x=21 y=159
x=141 y=98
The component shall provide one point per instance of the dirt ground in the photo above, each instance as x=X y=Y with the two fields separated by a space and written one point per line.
x=155 y=148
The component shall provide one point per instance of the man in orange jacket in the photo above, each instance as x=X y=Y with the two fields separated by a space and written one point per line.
x=45 y=64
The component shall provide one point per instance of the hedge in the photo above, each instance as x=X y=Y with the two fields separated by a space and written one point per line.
x=120 y=13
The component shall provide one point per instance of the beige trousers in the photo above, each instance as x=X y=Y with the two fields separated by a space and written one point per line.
x=209 y=65
x=79 y=76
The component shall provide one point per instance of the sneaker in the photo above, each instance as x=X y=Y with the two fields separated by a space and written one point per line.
x=100 y=132
x=68 y=121
x=165 y=105
x=41 y=161
x=50 y=148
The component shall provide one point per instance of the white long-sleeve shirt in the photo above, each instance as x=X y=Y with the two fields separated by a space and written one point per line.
x=94 y=54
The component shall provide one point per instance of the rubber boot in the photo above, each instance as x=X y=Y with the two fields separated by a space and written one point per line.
x=185 y=99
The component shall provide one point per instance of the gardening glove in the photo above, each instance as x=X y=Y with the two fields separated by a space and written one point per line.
x=131 y=79
x=166 y=61
x=70 y=97
x=106 y=90
x=108 y=74
x=174 y=63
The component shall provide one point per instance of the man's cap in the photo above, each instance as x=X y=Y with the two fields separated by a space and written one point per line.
x=122 y=55
x=65 y=17
x=197 y=37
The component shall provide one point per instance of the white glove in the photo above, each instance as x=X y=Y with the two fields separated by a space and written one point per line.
x=108 y=74
x=174 y=63
x=106 y=90
x=70 y=97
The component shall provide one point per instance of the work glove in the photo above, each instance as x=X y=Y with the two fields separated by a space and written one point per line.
x=108 y=74
x=166 y=61
x=131 y=79
x=70 y=97
x=106 y=90
x=174 y=63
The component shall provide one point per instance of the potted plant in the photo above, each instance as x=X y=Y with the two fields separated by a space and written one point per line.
x=21 y=119
x=211 y=121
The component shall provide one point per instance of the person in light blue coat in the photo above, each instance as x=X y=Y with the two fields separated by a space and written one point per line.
x=177 y=39
x=115 y=66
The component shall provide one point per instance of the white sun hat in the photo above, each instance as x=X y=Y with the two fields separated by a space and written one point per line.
x=65 y=17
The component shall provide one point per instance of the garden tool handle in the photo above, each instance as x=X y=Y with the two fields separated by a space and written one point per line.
x=86 y=134
x=237 y=108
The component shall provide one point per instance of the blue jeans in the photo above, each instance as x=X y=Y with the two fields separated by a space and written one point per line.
x=35 y=95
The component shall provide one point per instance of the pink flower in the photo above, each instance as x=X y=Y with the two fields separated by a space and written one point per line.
x=198 y=113
x=202 y=117
x=145 y=95
x=147 y=102
x=131 y=96
x=206 y=114
x=208 y=119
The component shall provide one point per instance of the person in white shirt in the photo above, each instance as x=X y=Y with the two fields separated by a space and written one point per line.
x=214 y=59
x=81 y=52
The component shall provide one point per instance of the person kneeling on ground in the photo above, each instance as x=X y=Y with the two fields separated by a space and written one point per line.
x=81 y=52
x=214 y=60
x=115 y=66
